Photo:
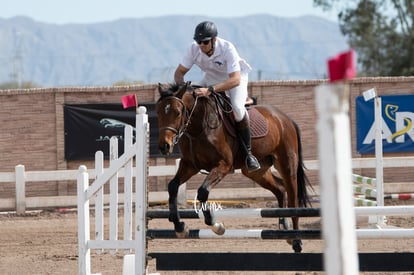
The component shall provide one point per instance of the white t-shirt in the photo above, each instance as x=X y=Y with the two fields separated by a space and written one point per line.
x=224 y=61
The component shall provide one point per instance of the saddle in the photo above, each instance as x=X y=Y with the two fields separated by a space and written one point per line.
x=258 y=124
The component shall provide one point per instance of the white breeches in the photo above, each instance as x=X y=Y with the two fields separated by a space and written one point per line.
x=238 y=95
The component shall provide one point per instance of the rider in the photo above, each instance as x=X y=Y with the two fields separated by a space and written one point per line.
x=224 y=70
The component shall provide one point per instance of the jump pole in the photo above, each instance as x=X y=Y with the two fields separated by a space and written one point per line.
x=338 y=216
x=269 y=234
x=397 y=210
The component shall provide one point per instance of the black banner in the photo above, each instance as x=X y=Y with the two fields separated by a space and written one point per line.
x=89 y=127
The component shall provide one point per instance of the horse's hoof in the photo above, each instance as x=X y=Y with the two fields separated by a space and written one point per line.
x=283 y=224
x=183 y=234
x=297 y=246
x=218 y=228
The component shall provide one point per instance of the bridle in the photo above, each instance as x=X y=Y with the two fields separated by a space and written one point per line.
x=186 y=116
x=185 y=119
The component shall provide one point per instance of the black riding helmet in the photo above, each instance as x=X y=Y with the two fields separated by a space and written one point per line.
x=205 y=31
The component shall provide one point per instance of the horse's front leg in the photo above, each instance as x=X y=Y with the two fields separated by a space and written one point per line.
x=184 y=172
x=213 y=178
x=180 y=228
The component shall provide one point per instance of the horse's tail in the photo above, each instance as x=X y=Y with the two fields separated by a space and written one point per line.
x=303 y=180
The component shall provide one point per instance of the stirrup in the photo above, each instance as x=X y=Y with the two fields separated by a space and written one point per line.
x=252 y=163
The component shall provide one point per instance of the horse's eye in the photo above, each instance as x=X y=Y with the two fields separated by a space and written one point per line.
x=178 y=112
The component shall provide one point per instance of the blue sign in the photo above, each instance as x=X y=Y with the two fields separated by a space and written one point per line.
x=397 y=124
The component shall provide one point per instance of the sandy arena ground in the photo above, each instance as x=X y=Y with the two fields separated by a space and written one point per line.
x=46 y=243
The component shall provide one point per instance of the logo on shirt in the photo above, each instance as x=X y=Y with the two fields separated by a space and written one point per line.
x=218 y=63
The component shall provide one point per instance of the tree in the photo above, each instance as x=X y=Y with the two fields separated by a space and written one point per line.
x=381 y=32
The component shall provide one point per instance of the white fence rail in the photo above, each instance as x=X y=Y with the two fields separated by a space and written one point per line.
x=20 y=177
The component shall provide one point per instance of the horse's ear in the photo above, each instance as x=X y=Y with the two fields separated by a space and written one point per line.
x=160 y=88
x=164 y=89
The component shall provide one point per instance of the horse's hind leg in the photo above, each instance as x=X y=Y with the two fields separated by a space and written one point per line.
x=280 y=194
x=290 y=180
x=275 y=185
x=292 y=202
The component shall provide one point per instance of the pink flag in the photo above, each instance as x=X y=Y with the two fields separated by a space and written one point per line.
x=342 y=66
x=129 y=101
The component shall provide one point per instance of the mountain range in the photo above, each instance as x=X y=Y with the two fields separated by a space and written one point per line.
x=149 y=49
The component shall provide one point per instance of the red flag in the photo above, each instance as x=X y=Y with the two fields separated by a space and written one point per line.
x=342 y=66
x=129 y=101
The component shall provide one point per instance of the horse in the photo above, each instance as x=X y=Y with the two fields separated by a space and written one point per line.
x=198 y=126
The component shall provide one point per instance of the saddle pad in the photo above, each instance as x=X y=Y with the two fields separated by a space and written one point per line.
x=258 y=125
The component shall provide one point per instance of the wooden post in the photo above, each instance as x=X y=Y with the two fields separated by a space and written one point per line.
x=338 y=216
x=142 y=134
x=368 y=95
x=84 y=252
x=20 y=189
x=379 y=156
x=99 y=199
x=128 y=176
x=113 y=193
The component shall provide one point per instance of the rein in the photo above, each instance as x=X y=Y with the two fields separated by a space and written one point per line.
x=223 y=102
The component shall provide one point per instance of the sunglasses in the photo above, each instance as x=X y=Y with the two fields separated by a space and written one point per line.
x=204 y=42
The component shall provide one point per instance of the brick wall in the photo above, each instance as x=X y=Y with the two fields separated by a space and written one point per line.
x=32 y=127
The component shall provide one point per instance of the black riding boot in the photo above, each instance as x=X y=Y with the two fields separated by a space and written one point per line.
x=243 y=129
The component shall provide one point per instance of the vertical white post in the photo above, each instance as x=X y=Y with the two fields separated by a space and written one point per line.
x=378 y=157
x=20 y=189
x=113 y=192
x=84 y=252
x=99 y=199
x=128 y=186
x=338 y=217
x=142 y=135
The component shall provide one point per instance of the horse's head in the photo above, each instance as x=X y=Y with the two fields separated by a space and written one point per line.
x=172 y=112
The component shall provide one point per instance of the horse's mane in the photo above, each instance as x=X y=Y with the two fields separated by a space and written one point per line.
x=167 y=90
x=173 y=87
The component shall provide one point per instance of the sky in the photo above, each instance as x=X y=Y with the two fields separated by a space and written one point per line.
x=94 y=11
